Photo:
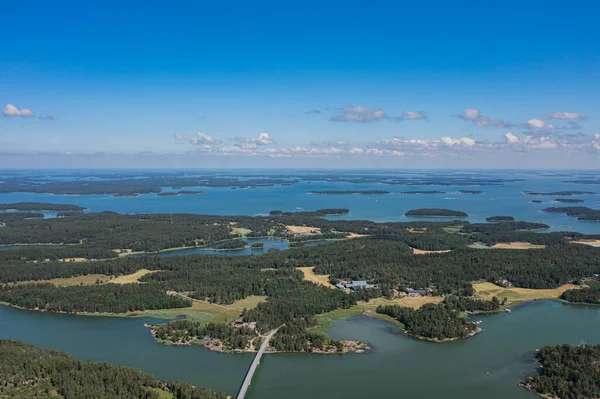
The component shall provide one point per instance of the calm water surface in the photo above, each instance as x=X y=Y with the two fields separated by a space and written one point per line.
x=397 y=364
x=507 y=199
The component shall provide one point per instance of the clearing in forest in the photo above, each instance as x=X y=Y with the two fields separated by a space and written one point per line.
x=517 y=245
x=131 y=278
x=424 y=252
x=321 y=279
x=303 y=229
x=516 y=295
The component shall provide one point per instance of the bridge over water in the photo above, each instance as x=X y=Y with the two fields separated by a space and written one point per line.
x=246 y=384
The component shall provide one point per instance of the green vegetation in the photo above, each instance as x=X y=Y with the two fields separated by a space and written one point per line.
x=342 y=192
x=567 y=372
x=433 y=322
x=422 y=192
x=500 y=219
x=584 y=295
x=257 y=245
x=30 y=372
x=107 y=298
x=582 y=213
x=435 y=212
x=40 y=206
x=319 y=213
x=185 y=331
x=560 y=193
x=232 y=245
x=469 y=192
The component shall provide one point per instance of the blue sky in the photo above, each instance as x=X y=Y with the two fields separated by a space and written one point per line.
x=270 y=84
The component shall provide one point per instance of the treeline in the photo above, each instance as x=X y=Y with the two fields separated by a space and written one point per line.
x=582 y=213
x=109 y=230
x=30 y=372
x=52 y=252
x=11 y=217
x=567 y=372
x=583 y=295
x=106 y=298
x=435 y=212
x=435 y=322
x=40 y=206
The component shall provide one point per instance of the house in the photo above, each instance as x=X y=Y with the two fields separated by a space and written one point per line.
x=358 y=285
x=410 y=292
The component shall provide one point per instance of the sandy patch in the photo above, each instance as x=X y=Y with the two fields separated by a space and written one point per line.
x=123 y=251
x=423 y=252
x=321 y=279
x=72 y=260
x=354 y=235
x=593 y=243
x=517 y=245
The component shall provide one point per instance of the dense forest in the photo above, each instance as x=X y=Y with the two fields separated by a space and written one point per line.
x=385 y=258
x=580 y=212
x=30 y=372
x=584 y=295
x=567 y=372
x=107 y=298
x=435 y=322
x=185 y=331
x=435 y=212
x=500 y=219
x=342 y=192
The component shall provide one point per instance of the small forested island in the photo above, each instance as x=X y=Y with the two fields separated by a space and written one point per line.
x=469 y=192
x=317 y=213
x=422 y=192
x=257 y=245
x=40 y=207
x=536 y=201
x=582 y=213
x=569 y=200
x=177 y=193
x=342 y=192
x=435 y=212
x=559 y=193
x=27 y=371
x=126 y=195
x=567 y=372
x=500 y=219
x=233 y=244
x=584 y=295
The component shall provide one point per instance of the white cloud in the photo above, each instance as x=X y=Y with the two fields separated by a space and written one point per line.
x=473 y=115
x=538 y=124
x=253 y=142
x=358 y=113
x=596 y=142
x=200 y=139
x=11 y=110
x=412 y=115
x=511 y=138
x=564 y=116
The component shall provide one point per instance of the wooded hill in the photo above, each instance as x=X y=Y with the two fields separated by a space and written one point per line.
x=27 y=371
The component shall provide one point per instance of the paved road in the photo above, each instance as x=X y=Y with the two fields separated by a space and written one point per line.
x=242 y=393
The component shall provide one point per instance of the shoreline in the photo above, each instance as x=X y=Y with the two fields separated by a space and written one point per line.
x=216 y=345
